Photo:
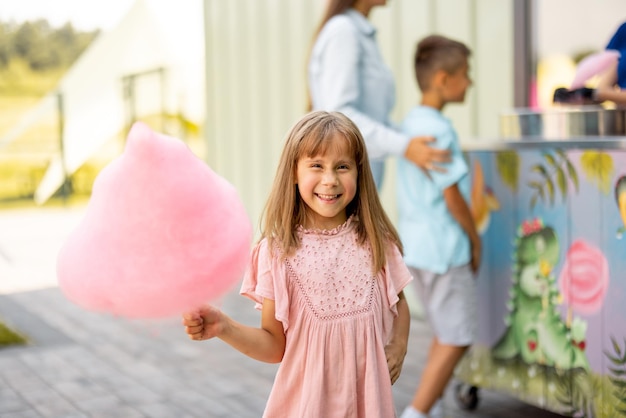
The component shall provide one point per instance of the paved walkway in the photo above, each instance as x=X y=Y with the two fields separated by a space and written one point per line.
x=83 y=364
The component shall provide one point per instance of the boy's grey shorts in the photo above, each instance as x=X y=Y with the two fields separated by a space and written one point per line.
x=449 y=303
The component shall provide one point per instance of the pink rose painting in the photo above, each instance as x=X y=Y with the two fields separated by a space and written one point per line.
x=584 y=278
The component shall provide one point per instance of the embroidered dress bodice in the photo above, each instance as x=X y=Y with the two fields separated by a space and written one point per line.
x=337 y=316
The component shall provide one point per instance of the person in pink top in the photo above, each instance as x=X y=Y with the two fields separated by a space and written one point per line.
x=328 y=276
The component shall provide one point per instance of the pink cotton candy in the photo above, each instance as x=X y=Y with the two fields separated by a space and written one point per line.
x=162 y=233
x=593 y=65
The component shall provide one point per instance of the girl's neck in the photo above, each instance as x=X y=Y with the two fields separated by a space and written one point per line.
x=312 y=224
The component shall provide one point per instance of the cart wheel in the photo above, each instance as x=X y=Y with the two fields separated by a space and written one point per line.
x=467 y=396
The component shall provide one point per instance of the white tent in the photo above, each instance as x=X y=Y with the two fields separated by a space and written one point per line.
x=154 y=34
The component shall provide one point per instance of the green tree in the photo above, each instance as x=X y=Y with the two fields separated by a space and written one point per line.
x=33 y=55
x=5 y=45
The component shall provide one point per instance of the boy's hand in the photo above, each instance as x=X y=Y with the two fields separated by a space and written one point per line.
x=476 y=255
x=204 y=323
x=424 y=156
x=395 y=358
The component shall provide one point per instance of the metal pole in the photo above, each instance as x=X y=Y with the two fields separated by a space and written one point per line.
x=61 y=125
x=162 y=80
x=128 y=85
x=525 y=51
x=209 y=120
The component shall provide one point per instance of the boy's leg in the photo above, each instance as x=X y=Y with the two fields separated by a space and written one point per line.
x=452 y=313
x=409 y=412
x=412 y=411
x=450 y=304
x=442 y=359
x=437 y=409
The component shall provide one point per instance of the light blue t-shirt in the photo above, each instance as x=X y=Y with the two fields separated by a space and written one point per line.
x=433 y=240
x=347 y=74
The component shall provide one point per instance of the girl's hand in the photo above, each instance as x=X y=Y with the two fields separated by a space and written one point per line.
x=395 y=359
x=204 y=323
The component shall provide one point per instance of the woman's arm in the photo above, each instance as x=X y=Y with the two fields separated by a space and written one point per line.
x=266 y=343
x=336 y=87
x=424 y=156
x=607 y=89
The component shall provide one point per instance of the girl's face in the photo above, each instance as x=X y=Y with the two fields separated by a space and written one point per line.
x=327 y=184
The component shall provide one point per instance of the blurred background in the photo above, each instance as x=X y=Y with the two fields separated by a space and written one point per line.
x=228 y=78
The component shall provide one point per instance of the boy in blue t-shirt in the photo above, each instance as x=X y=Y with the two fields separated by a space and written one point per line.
x=441 y=245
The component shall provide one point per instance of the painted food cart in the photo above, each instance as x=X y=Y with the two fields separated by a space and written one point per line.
x=552 y=287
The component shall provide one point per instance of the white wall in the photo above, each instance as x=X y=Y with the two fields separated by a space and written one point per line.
x=256 y=73
x=572 y=26
x=565 y=30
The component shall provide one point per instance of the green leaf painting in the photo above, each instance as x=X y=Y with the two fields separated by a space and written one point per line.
x=508 y=164
x=571 y=171
x=598 y=168
x=618 y=373
x=554 y=171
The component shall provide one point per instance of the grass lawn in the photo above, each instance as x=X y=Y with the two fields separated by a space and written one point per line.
x=25 y=159
x=9 y=337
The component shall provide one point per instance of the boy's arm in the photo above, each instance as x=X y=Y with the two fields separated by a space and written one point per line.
x=266 y=343
x=395 y=350
x=461 y=212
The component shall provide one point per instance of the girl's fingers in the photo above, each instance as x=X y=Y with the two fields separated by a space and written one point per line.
x=192 y=322
x=194 y=329
x=195 y=337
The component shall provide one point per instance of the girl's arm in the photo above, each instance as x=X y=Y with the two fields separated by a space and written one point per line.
x=397 y=346
x=266 y=343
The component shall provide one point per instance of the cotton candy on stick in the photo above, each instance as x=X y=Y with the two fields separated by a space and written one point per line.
x=162 y=233
x=593 y=65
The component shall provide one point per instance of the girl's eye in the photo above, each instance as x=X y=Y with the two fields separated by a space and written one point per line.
x=343 y=167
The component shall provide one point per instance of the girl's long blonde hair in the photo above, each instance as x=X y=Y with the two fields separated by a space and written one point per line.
x=285 y=210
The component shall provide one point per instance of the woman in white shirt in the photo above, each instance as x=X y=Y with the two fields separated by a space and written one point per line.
x=347 y=74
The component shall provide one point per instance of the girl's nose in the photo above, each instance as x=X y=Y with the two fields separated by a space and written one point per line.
x=330 y=178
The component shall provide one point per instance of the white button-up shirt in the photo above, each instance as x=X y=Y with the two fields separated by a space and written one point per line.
x=347 y=74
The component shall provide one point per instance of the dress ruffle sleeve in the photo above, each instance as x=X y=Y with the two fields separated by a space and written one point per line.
x=265 y=278
x=397 y=276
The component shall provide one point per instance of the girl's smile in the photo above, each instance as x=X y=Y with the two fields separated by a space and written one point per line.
x=327 y=198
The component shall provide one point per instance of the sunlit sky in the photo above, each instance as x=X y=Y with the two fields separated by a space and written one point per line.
x=564 y=25
x=84 y=14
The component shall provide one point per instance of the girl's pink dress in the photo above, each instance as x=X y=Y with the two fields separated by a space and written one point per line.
x=337 y=317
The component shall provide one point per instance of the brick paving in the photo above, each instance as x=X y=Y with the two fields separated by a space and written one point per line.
x=82 y=364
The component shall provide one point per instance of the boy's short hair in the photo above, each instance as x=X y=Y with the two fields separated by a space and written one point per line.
x=436 y=53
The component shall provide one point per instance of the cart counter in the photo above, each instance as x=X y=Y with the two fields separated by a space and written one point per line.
x=551 y=211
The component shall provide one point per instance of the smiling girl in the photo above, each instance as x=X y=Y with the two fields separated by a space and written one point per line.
x=328 y=276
